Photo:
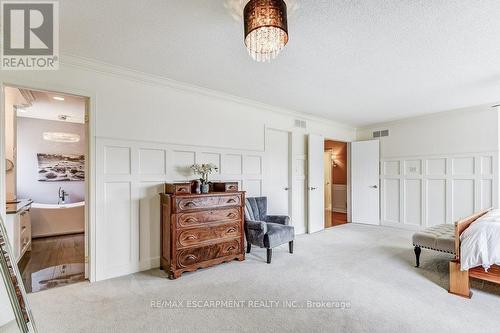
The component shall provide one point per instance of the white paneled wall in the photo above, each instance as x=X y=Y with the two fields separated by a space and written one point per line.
x=423 y=191
x=339 y=194
x=130 y=175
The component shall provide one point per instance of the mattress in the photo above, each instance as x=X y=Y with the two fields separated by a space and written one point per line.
x=480 y=242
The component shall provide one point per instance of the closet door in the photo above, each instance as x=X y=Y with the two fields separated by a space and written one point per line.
x=315 y=174
x=365 y=187
x=277 y=172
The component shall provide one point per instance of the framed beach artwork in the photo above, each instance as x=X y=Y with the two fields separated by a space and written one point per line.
x=61 y=167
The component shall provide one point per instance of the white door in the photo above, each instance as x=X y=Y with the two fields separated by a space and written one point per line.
x=276 y=169
x=365 y=186
x=316 y=193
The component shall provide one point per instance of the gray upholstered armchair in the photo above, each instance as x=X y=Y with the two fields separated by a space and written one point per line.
x=264 y=230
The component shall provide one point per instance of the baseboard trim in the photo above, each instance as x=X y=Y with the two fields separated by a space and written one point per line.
x=400 y=225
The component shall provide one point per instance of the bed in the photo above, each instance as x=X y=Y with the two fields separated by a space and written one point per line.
x=472 y=263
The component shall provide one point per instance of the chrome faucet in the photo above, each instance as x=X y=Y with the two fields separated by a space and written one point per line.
x=62 y=196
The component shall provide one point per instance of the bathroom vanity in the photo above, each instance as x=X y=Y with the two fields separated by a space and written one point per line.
x=18 y=225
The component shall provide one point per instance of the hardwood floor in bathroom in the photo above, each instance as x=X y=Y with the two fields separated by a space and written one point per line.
x=54 y=262
x=333 y=219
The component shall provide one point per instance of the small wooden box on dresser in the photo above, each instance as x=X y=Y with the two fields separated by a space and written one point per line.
x=201 y=230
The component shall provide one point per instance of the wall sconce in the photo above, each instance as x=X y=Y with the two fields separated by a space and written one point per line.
x=334 y=160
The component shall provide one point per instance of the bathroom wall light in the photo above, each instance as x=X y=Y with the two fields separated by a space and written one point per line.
x=61 y=137
x=335 y=162
x=58 y=98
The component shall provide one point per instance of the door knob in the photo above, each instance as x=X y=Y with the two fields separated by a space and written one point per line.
x=286 y=188
x=374 y=186
x=313 y=188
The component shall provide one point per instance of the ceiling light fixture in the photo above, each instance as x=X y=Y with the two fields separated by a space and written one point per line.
x=58 y=98
x=266 y=28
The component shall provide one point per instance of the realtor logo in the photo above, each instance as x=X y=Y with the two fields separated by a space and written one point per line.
x=30 y=35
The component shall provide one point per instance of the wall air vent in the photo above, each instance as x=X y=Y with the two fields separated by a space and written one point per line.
x=379 y=134
x=300 y=123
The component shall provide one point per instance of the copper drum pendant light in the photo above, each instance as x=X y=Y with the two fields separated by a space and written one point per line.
x=266 y=28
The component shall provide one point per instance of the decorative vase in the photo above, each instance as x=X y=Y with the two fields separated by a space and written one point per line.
x=197 y=186
x=205 y=188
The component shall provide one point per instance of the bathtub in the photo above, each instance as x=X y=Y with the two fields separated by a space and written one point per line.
x=52 y=220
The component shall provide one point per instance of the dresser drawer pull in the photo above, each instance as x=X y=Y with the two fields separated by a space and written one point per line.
x=190 y=204
x=191 y=257
x=231 y=187
x=231 y=230
x=182 y=189
x=231 y=248
x=231 y=201
x=191 y=237
x=231 y=215
x=191 y=219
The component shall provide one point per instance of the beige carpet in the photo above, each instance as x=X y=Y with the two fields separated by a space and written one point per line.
x=369 y=268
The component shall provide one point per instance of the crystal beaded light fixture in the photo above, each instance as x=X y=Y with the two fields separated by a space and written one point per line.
x=266 y=28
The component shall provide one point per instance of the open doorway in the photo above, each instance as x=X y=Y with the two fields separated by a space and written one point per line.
x=336 y=175
x=46 y=147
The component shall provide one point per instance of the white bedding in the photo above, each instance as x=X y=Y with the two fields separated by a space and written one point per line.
x=480 y=242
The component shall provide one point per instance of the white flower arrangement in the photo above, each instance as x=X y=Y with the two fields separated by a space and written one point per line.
x=204 y=170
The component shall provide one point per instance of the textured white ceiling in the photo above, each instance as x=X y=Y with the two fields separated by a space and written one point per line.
x=358 y=62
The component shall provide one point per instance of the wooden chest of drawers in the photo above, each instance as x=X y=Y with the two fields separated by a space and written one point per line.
x=200 y=230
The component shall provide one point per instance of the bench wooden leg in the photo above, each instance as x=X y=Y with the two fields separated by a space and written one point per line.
x=417 y=251
x=459 y=280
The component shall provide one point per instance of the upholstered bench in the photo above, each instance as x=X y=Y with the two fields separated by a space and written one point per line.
x=440 y=237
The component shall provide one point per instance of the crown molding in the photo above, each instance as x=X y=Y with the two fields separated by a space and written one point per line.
x=155 y=80
x=470 y=109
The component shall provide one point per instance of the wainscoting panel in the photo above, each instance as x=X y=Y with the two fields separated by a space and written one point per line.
x=422 y=191
x=436 y=167
x=463 y=198
x=339 y=195
x=391 y=168
x=252 y=165
x=232 y=164
x=117 y=160
x=413 y=201
x=436 y=201
x=486 y=193
x=253 y=187
x=130 y=175
x=206 y=158
x=152 y=162
x=392 y=196
x=118 y=222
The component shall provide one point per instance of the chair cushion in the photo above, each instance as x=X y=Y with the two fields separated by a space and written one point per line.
x=278 y=234
x=439 y=238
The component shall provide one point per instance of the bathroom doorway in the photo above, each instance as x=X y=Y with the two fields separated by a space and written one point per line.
x=46 y=149
x=336 y=183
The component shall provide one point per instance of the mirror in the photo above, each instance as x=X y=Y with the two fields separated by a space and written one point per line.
x=15 y=313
